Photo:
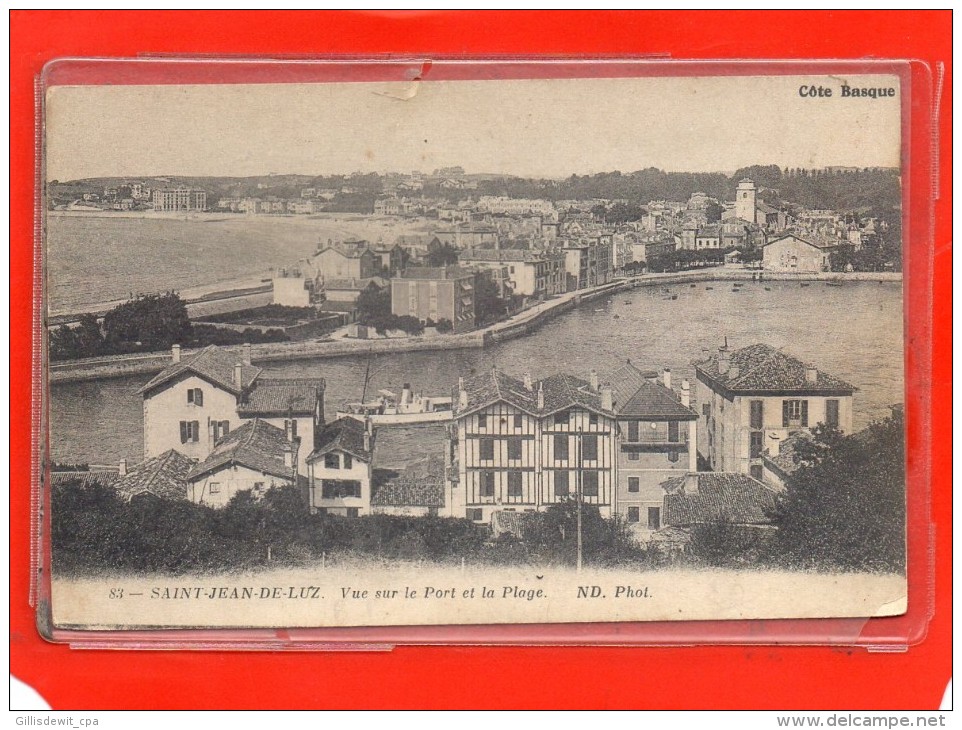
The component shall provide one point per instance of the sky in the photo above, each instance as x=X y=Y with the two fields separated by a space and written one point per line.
x=531 y=128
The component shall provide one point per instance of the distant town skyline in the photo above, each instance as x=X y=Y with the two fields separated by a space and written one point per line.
x=530 y=128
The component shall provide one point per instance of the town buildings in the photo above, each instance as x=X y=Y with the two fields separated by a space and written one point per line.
x=179 y=199
x=348 y=259
x=436 y=293
x=795 y=254
x=757 y=396
x=537 y=274
x=340 y=468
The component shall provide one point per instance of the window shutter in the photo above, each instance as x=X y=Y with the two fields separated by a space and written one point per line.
x=804 y=412
x=190 y=395
x=224 y=428
x=183 y=432
x=198 y=396
x=785 y=414
x=196 y=430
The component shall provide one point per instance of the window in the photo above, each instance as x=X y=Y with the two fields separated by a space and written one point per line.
x=757 y=440
x=561 y=419
x=589 y=448
x=482 y=420
x=589 y=484
x=518 y=421
x=755 y=471
x=633 y=456
x=831 y=413
x=348 y=461
x=794 y=413
x=632 y=430
x=332 y=461
x=593 y=419
x=561 y=484
x=486 y=449
x=352 y=511
x=634 y=514
x=560 y=448
x=673 y=435
x=514 y=483
x=654 y=518
x=213 y=487
x=756 y=409
x=189 y=431
x=195 y=396
x=633 y=485
x=474 y=513
x=487 y=484
x=340 y=488
x=258 y=486
x=514 y=449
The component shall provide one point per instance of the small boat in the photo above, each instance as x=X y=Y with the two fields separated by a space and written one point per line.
x=627 y=301
x=768 y=288
x=674 y=296
x=693 y=285
x=709 y=288
x=389 y=410
x=803 y=284
x=833 y=283
x=617 y=316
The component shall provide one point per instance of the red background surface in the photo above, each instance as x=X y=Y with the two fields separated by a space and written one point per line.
x=508 y=677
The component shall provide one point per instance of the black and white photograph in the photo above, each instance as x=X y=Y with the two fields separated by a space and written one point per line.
x=474 y=351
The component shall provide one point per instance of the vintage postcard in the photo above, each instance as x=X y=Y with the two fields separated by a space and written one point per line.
x=474 y=352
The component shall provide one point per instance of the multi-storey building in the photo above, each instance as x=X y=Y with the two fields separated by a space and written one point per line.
x=520 y=445
x=753 y=398
x=340 y=468
x=179 y=199
x=349 y=259
x=436 y=294
x=197 y=400
x=536 y=274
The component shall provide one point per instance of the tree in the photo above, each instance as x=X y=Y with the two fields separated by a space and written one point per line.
x=373 y=304
x=442 y=255
x=844 y=507
x=488 y=304
x=147 y=322
x=713 y=212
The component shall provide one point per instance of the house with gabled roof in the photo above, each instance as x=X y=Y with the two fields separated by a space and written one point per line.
x=711 y=498
x=163 y=476
x=795 y=254
x=254 y=457
x=200 y=398
x=520 y=444
x=656 y=440
x=340 y=468
x=755 y=397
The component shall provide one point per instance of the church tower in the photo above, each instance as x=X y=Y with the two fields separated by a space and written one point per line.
x=745 y=200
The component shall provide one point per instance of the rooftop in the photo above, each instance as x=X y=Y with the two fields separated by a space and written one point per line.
x=561 y=391
x=164 y=476
x=281 y=397
x=437 y=272
x=761 y=367
x=639 y=395
x=212 y=364
x=344 y=434
x=735 y=499
x=257 y=445
x=421 y=484
x=784 y=461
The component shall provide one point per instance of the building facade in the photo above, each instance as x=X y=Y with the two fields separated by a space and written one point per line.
x=756 y=397
x=436 y=294
x=795 y=254
x=340 y=469
x=179 y=199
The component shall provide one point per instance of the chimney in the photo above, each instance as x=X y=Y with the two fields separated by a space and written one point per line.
x=733 y=372
x=122 y=468
x=289 y=456
x=685 y=394
x=540 y=397
x=666 y=378
x=406 y=394
x=774 y=444
x=175 y=353
x=811 y=374
x=528 y=385
x=247 y=353
x=238 y=380
x=691 y=483
x=607 y=399
x=724 y=361
x=462 y=395
x=368 y=433
x=593 y=380
x=289 y=429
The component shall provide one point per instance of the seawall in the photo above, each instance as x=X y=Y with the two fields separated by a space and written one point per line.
x=115 y=366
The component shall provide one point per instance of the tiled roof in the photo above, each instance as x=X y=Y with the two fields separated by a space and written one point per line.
x=344 y=434
x=84 y=478
x=420 y=485
x=164 y=476
x=735 y=499
x=401 y=447
x=761 y=367
x=330 y=306
x=257 y=445
x=348 y=249
x=436 y=272
x=505 y=254
x=561 y=391
x=637 y=396
x=281 y=396
x=785 y=461
x=711 y=231
x=213 y=364
x=517 y=524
